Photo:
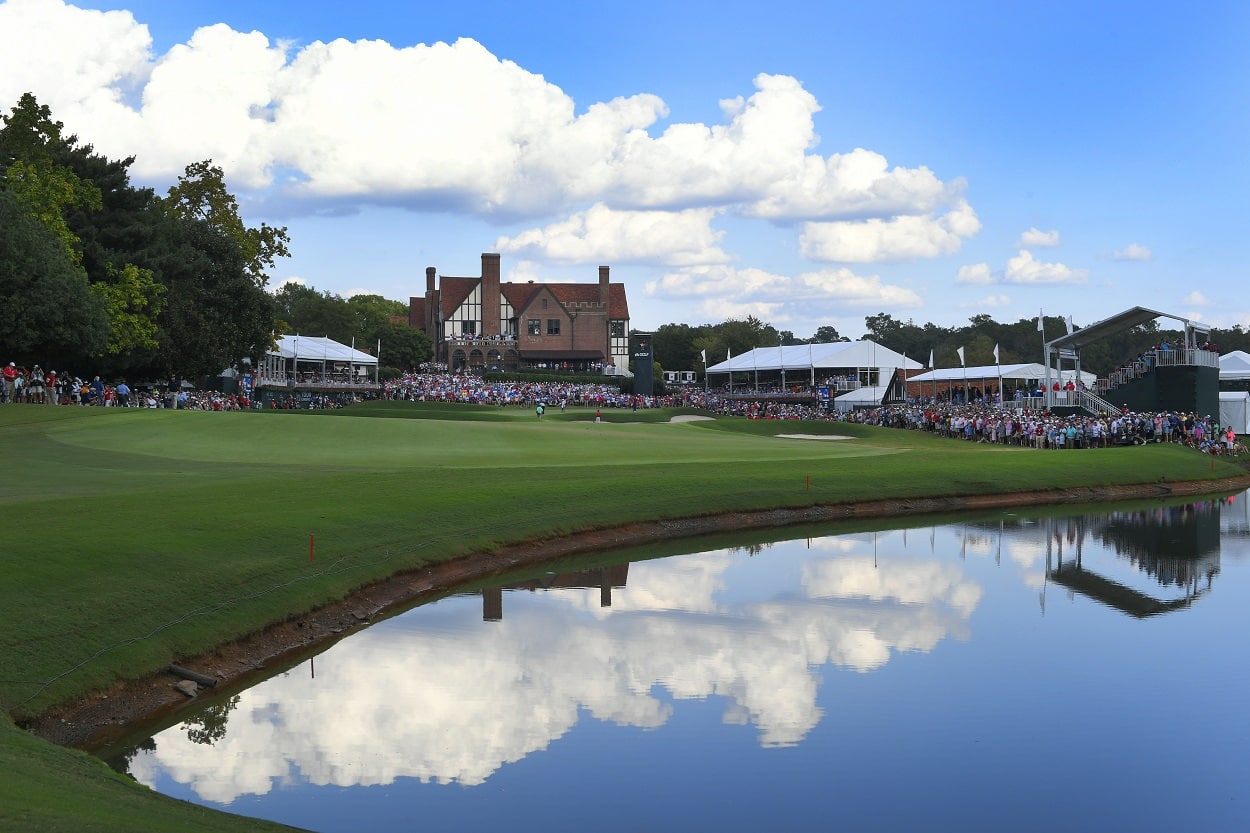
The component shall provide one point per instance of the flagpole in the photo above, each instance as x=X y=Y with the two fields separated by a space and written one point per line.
x=933 y=371
x=998 y=363
x=1041 y=328
x=964 y=365
x=904 y=376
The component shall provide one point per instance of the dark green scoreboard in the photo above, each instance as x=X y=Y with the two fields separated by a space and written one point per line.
x=644 y=364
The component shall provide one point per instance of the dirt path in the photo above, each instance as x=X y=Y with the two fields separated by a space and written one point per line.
x=103 y=714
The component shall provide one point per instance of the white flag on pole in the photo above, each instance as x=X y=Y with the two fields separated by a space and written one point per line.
x=703 y=353
x=960 y=351
x=995 y=354
x=930 y=358
x=1041 y=328
x=1068 y=322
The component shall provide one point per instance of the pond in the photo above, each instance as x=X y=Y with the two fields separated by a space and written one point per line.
x=1005 y=672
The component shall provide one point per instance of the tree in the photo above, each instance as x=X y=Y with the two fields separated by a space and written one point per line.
x=216 y=313
x=303 y=310
x=201 y=195
x=48 y=314
x=403 y=346
x=827 y=335
x=29 y=144
x=132 y=302
x=675 y=346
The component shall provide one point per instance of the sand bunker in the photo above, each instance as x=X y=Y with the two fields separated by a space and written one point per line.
x=813 y=437
x=689 y=418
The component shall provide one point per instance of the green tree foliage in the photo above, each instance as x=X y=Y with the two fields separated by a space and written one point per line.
x=303 y=310
x=132 y=301
x=201 y=195
x=216 y=313
x=30 y=142
x=362 y=320
x=404 y=347
x=48 y=314
x=826 y=335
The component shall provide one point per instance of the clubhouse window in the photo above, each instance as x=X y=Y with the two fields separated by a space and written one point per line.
x=535 y=326
x=553 y=326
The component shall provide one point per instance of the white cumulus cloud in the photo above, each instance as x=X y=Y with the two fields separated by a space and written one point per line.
x=1036 y=238
x=672 y=237
x=451 y=127
x=975 y=273
x=729 y=292
x=876 y=240
x=1025 y=269
x=1133 y=251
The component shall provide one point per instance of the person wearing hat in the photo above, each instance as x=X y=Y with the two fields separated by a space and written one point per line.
x=10 y=381
x=34 y=386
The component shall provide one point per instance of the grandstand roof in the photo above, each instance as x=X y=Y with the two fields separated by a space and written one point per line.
x=319 y=348
x=838 y=354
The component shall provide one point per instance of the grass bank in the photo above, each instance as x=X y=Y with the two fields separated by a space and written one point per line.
x=148 y=537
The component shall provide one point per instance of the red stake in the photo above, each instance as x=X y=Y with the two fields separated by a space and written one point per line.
x=310 y=548
x=809 y=482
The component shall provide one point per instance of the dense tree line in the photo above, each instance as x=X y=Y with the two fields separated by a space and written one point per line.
x=362 y=320
x=682 y=346
x=97 y=274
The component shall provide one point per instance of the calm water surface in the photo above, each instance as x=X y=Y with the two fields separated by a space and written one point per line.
x=1084 y=672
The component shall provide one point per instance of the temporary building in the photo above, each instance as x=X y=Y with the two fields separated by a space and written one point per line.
x=864 y=397
x=1015 y=374
x=814 y=358
x=1235 y=410
x=301 y=359
x=1235 y=366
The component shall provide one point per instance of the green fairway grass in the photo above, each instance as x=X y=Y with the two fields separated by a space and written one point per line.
x=142 y=537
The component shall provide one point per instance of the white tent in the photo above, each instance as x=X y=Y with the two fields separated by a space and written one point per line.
x=861 y=397
x=1016 y=373
x=1235 y=366
x=321 y=348
x=316 y=360
x=1235 y=410
x=808 y=357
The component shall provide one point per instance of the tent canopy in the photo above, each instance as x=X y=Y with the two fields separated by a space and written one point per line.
x=838 y=354
x=1008 y=372
x=320 y=348
x=1235 y=366
x=867 y=395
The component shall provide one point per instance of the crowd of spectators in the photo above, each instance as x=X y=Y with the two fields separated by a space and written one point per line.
x=983 y=421
x=35 y=386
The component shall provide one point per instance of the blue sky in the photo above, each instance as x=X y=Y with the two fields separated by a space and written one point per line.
x=806 y=163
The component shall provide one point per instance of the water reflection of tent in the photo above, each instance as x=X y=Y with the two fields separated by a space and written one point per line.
x=603 y=578
x=1177 y=546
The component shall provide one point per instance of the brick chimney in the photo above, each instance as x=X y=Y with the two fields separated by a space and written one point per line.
x=490 y=294
x=603 y=289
